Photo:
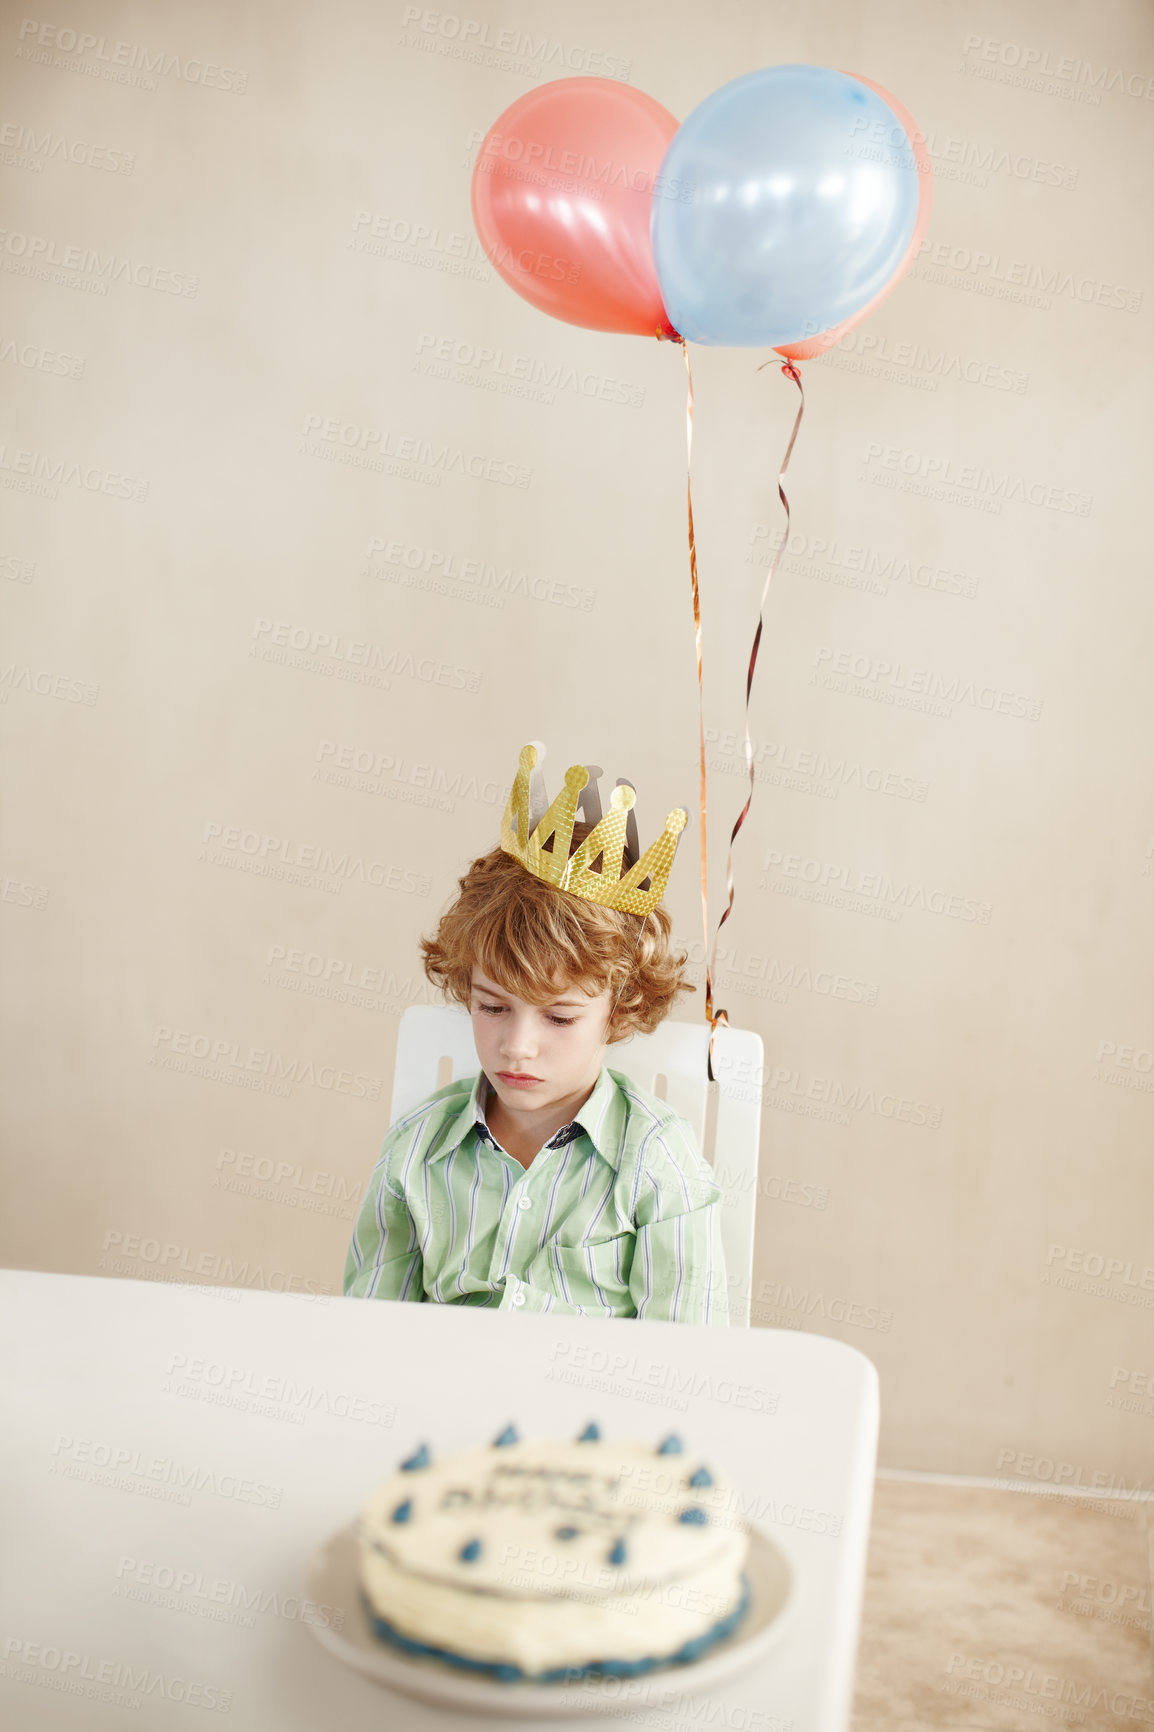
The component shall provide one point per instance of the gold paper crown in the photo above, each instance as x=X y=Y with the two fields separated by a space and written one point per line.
x=539 y=835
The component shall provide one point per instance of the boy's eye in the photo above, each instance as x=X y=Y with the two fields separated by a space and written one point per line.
x=496 y=1009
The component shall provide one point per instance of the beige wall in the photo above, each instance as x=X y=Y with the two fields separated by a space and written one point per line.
x=249 y=314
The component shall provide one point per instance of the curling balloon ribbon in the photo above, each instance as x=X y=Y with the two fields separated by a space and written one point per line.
x=713 y=1017
x=700 y=706
x=791 y=372
x=720 y=1016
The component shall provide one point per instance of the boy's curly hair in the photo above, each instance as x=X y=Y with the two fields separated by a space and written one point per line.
x=522 y=932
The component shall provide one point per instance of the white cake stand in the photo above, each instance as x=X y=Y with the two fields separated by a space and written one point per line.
x=333 y=1580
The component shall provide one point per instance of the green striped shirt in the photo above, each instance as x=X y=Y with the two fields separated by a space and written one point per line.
x=618 y=1215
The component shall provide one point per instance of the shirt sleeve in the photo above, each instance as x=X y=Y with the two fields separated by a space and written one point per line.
x=678 y=1273
x=384 y=1256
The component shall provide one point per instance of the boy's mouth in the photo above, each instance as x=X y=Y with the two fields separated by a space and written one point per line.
x=520 y=1079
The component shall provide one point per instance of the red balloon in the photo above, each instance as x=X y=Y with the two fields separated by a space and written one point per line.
x=561 y=194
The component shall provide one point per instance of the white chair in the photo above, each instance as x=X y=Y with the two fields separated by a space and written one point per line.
x=435 y=1047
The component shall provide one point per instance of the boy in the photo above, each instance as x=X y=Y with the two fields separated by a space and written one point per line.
x=550 y=1182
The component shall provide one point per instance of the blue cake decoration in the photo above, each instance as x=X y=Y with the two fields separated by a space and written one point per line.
x=591 y=1434
x=701 y=1477
x=508 y=1436
x=403 y=1511
x=420 y=1458
x=470 y=1551
x=566 y=1533
x=693 y=1515
x=617 y=1555
x=672 y=1445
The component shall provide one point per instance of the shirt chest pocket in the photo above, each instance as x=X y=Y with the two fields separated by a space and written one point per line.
x=594 y=1274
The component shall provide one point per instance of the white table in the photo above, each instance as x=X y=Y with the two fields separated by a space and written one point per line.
x=170 y=1456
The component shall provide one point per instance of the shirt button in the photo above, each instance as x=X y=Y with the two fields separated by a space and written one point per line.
x=524 y=1202
x=518 y=1298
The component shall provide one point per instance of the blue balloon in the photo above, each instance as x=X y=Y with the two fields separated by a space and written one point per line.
x=785 y=203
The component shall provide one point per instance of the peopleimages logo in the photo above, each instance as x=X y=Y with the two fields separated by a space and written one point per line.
x=402 y=241
x=179 y=1588
x=503 y=47
x=503 y=156
x=357 y=660
x=481 y=365
x=231 y=1054
x=857 y=566
x=30 y=254
x=29 y=148
x=1072 y=1474
x=35 y=471
x=934 y=363
x=280 y=857
x=862 y=674
x=102 y=58
x=139 y=1255
x=19 y=677
x=1018 y=280
x=1062 y=1697
x=992 y=487
x=371 y=772
x=405 y=454
x=1077 y=1260
x=781 y=1081
x=124 y=1464
x=778 y=1301
x=98 y=1678
x=806 y=770
x=241 y=1385
x=865 y=892
x=38 y=359
x=949 y=155
x=743 y=970
x=445 y=572
x=990 y=57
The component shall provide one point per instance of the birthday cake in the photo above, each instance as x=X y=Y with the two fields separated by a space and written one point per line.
x=546 y=1560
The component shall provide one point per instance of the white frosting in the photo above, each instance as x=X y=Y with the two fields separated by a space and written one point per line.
x=535 y=1598
x=539 y=1634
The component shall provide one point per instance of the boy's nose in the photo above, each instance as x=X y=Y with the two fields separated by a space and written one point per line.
x=518 y=1044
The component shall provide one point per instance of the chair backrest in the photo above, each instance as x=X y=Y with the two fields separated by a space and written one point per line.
x=435 y=1047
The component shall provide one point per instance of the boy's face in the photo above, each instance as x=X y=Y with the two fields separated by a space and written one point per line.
x=560 y=1044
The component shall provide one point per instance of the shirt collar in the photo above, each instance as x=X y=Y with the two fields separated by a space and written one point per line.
x=600 y=1118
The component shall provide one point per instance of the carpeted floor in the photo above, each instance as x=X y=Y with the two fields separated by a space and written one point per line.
x=1005 y=1609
